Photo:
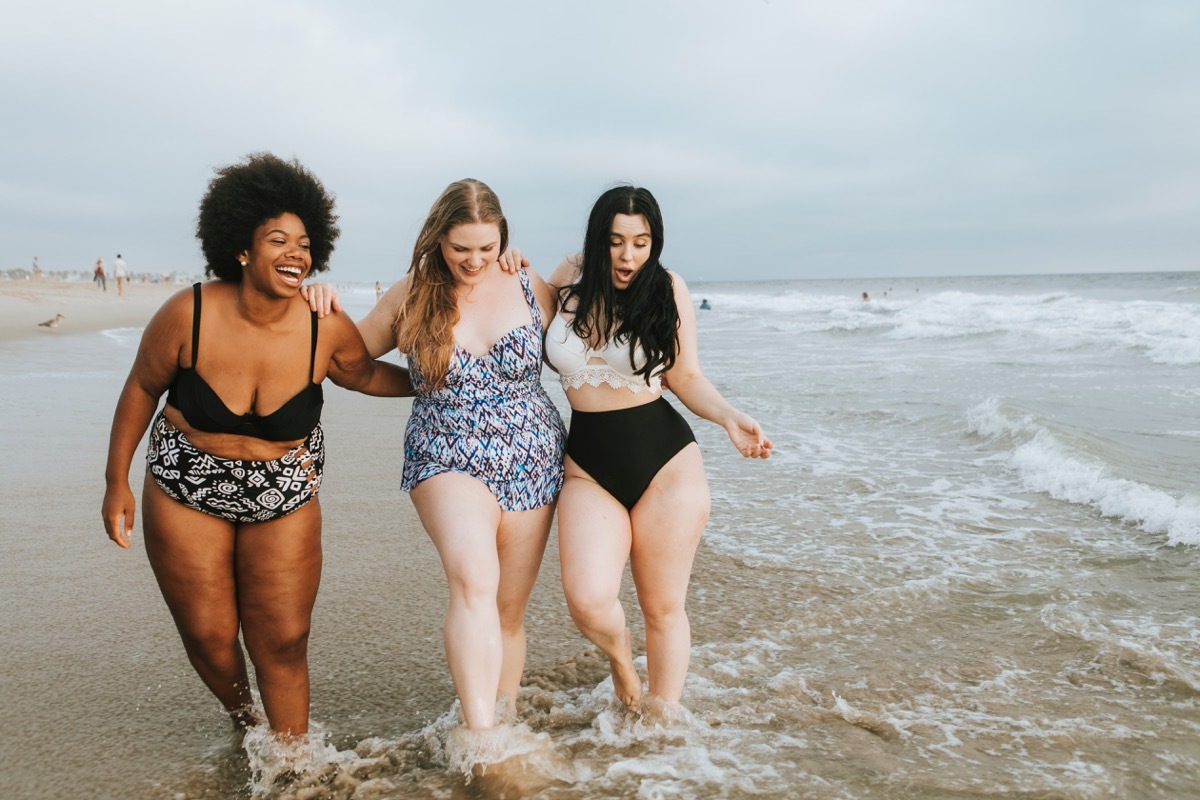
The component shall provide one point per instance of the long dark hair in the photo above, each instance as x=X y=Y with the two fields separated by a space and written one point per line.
x=644 y=313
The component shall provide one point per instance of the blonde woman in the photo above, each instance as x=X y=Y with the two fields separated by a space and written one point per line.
x=483 y=446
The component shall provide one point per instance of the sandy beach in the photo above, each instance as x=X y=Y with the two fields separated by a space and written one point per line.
x=968 y=570
x=24 y=304
x=376 y=656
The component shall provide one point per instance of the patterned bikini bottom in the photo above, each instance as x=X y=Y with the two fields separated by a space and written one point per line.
x=236 y=490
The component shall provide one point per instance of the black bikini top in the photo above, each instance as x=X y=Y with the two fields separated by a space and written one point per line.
x=205 y=411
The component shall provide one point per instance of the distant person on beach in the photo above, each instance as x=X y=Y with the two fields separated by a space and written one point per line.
x=865 y=297
x=37 y=271
x=378 y=292
x=121 y=274
x=230 y=511
x=704 y=306
x=483 y=446
x=635 y=487
x=98 y=275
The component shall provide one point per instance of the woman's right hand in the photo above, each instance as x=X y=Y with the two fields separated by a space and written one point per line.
x=513 y=259
x=321 y=297
x=117 y=513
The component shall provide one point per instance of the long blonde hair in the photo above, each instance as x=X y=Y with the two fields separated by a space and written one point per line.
x=424 y=325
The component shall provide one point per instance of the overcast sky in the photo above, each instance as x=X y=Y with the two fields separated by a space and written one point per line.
x=782 y=139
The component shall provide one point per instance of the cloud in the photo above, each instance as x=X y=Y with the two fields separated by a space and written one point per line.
x=797 y=139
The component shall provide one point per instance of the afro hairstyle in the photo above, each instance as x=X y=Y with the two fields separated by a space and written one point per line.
x=243 y=196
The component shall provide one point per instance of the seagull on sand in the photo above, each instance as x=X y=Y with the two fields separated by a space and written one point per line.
x=51 y=323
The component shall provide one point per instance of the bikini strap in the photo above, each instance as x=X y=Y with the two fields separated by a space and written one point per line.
x=195 y=323
x=526 y=286
x=312 y=359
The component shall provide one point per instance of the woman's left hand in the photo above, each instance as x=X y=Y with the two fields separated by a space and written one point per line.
x=321 y=297
x=513 y=259
x=747 y=436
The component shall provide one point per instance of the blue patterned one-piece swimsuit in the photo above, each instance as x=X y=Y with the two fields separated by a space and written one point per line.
x=491 y=420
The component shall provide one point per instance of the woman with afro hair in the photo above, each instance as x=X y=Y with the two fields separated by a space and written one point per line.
x=230 y=512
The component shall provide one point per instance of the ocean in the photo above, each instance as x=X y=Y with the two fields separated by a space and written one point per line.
x=969 y=570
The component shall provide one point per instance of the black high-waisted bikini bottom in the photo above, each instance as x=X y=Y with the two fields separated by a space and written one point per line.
x=623 y=450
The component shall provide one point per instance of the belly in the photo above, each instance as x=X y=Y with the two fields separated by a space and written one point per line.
x=228 y=445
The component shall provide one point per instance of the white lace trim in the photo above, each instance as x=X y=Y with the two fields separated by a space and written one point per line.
x=596 y=374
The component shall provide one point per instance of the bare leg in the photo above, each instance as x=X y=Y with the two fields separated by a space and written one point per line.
x=278 y=573
x=192 y=557
x=594 y=538
x=462 y=518
x=667 y=523
x=521 y=543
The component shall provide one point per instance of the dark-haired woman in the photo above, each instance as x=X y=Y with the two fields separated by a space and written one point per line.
x=230 y=512
x=635 y=487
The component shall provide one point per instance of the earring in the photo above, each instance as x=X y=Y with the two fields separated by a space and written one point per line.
x=243 y=263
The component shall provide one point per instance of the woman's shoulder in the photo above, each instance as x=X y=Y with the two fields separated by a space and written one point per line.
x=396 y=293
x=567 y=272
x=175 y=314
x=182 y=302
x=678 y=287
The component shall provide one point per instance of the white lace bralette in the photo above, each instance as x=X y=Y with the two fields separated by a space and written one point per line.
x=579 y=365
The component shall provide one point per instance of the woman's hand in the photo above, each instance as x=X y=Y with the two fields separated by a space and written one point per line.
x=321 y=297
x=513 y=259
x=747 y=436
x=117 y=513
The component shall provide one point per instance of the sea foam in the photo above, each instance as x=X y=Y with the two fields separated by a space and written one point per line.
x=1046 y=464
x=1163 y=332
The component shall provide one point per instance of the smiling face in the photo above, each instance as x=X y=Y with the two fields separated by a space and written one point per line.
x=629 y=246
x=279 y=258
x=470 y=249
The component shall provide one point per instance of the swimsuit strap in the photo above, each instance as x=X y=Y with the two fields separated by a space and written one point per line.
x=195 y=323
x=534 y=310
x=312 y=359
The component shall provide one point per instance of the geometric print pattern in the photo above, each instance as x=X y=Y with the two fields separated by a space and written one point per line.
x=236 y=490
x=491 y=420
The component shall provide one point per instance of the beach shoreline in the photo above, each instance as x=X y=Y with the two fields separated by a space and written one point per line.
x=965 y=566
x=25 y=304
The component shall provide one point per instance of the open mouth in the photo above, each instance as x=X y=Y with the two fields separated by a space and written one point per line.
x=624 y=275
x=291 y=275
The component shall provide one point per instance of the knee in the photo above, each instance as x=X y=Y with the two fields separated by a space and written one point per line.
x=281 y=647
x=474 y=584
x=209 y=641
x=587 y=607
x=664 y=615
x=512 y=619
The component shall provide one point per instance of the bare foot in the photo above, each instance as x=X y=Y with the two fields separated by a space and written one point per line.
x=246 y=717
x=626 y=682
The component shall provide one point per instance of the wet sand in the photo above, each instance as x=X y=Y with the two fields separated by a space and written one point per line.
x=94 y=670
x=85 y=308
x=899 y=604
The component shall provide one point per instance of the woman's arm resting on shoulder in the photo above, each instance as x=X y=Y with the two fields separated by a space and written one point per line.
x=153 y=371
x=566 y=273
x=351 y=365
x=696 y=392
x=376 y=327
x=513 y=259
x=322 y=298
